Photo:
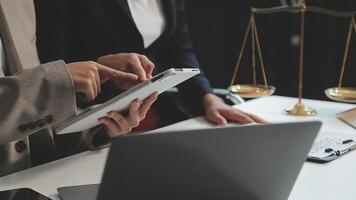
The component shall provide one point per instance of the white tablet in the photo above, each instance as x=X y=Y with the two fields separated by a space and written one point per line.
x=160 y=83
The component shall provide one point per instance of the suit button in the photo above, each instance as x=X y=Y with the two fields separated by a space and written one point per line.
x=32 y=125
x=41 y=123
x=49 y=119
x=22 y=127
x=20 y=146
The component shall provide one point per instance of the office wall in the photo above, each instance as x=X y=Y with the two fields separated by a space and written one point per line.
x=217 y=29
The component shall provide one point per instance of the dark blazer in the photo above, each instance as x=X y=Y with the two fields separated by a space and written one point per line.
x=87 y=29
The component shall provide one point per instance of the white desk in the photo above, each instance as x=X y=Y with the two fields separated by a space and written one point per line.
x=335 y=180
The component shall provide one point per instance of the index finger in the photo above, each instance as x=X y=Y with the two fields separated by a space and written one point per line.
x=125 y=76
x=147 y=65
x=137 y=68
x=110 y=73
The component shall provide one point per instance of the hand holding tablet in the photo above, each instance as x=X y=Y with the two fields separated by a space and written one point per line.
x=117 y=124
x=159 y=83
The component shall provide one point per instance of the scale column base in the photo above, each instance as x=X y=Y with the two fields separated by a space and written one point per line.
x=300 y=109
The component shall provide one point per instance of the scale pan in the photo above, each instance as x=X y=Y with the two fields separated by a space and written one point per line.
x=343 y=94
x=252 y=91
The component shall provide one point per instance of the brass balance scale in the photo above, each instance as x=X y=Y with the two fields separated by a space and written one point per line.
x=338 y=93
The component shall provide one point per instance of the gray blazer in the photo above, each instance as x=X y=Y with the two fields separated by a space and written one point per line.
x=33 y=97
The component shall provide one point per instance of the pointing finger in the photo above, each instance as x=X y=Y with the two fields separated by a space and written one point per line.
x=109 y=73
x=147 y=65
x=137 y=67
x=124 y=76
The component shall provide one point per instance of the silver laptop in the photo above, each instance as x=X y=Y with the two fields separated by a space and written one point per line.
x=249 y=162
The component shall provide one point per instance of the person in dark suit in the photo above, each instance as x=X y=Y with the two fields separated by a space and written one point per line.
x=100 y=29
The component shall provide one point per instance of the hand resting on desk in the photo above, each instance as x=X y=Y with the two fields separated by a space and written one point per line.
x=218 y=112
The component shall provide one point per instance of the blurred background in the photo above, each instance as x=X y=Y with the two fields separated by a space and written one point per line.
x=218 y=27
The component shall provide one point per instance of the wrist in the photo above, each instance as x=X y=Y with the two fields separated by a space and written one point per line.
x=210 y=99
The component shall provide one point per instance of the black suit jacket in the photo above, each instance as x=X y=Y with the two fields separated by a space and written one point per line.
x=79 y=30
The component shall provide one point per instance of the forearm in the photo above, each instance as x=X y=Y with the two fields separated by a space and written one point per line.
x=35 y=99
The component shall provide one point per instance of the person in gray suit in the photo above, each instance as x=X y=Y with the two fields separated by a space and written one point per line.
x=34 y=96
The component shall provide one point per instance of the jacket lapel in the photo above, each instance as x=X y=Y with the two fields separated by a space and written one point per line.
x=169 y=10
x=125 y=7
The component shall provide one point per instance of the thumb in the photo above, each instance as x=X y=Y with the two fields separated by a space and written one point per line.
x=110 y=73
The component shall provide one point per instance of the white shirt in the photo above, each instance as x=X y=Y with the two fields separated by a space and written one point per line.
x=149 y=19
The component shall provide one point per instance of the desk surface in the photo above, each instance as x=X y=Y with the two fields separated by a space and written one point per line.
x=335 y=180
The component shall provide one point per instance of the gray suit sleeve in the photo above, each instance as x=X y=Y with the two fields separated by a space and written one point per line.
x=35 y=99
x=72 y=143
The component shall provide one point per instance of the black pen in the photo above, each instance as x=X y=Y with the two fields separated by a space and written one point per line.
x=347 y=141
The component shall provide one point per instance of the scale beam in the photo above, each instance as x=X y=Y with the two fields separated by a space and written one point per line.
x=293 y=9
